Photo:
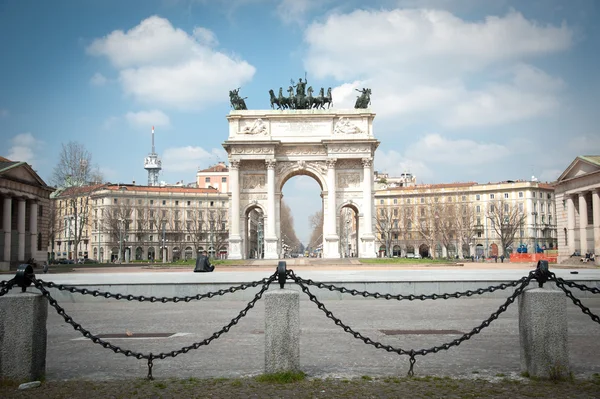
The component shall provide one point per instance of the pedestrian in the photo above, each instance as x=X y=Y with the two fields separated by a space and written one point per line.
x=203 y=264
x=502 y=258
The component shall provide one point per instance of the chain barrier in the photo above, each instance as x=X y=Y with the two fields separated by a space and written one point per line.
x=560 y=283
x=5 y=286
x=150 y=357
x=411 y=297
x=521 y=283
x=153 y=299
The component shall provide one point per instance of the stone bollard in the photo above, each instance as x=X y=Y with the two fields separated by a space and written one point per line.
x=543 y=333
x=23 y=336
x=282 y=331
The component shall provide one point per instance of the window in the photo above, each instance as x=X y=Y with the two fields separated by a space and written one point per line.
x=521 y=207
x=200 y=203
x=422 y=211
x=176 y=202
x=151 y=238
x=409 y=224
x=395 y=201
x=506 y=208
x=449 y=199
x=151 y=202
x=380 y=202
x=164 y=214
x=479 y=221
x=189 y=203
x=491 y=196
x=535 y=207
x=408 y=200
x=41 y=210
x=541 y=195
x=478 y=197
x=520 y=194
x=222 y=203
x=223 y=180
x=505 y=195
x=543 y=219
x=395 y=211
x=549 y=219
x=492 y=208
x=164 y=202
x=212 y=203
x=478 y=209
x=115 y=201
x=139 y=202
x=464 y=197
x=436 y=199
x=207 y=180
x=542 y=207
x=422 y=200
x=549 y=196
x=479 y=234
x=127 y=201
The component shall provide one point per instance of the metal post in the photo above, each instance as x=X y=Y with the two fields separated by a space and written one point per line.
x=163 y=242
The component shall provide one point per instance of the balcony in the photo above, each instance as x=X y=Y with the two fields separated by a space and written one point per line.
x=478 y=227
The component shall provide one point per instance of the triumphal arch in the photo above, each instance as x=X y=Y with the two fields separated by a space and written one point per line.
x=268 y=147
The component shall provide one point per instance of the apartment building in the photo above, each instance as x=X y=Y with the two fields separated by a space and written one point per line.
x=217 y=176
x=465 y=219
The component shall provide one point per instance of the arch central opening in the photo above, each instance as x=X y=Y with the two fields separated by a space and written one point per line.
x=301 y=215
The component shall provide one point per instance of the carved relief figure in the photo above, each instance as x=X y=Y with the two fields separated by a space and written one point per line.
x=347 y=180
x=344 y=126
x=257 y=127
x=253 y=181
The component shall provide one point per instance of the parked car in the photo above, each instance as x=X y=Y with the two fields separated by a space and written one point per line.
x=418 y=256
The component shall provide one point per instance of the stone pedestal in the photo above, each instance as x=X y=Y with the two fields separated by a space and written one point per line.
x=282 y=331
x=23 y=336
x=543 y=333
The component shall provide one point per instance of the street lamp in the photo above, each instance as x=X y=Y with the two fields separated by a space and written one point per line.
x=121 y=227
x=534 y=214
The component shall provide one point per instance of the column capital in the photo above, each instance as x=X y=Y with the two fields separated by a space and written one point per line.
x=581 y=194
x=331 y=163
x=367 y=162
x=270 y=163
x=234 y=164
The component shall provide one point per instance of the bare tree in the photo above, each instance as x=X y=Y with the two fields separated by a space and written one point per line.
x=288 y=233
x=55 y=226
x=195 y=226
x=448 y=230
x=117 y=222
x=316 y=237
x=506 y=220
x=385 y=226
x=465 y=222
x=218 y=230
x=428 y=223
x=75 y=174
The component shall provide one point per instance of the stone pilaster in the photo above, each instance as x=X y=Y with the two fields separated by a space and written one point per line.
x=570 y=224
x=33 y=228
x=22 y=204
x=331 y=247
x=271 y=234
x=583 y=223
x=234 y=233
x=367 y=237
x=6 y=227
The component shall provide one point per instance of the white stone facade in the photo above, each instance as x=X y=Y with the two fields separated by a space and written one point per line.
x=578 y=208
x=334 y=147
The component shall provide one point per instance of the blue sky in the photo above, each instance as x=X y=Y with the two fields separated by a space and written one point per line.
x=464 y=90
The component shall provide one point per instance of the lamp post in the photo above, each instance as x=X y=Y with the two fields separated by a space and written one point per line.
x=121 y=227
x=534 y=215
x=164 y=248
x=260 y=239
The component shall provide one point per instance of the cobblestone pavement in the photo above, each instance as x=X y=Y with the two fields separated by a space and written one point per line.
x=326 y=350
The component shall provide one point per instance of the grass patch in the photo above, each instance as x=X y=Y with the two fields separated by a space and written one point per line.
x=160 y=385
x=366 y=378
x=284 y=377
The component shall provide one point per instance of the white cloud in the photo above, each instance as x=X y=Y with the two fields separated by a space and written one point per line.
x=435 y=149
x=430 y=63
x=98 y=79
x=4 y=113
x=189 y=158
x=25 y=147
x=110 y=122
x=146 y=119
x=295 y=11
x=162 y=65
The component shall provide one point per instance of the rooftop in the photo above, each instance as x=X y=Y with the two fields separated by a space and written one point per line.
x=220 y=167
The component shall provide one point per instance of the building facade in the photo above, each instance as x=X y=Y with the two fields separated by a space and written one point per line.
x=465 y=219
x=578 y=205
x=25 y=200
x=146 y=223
x=217 y=176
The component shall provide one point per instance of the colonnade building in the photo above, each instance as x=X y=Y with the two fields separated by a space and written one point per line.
x=24 y=199
x=578 y=206
x=465 y=219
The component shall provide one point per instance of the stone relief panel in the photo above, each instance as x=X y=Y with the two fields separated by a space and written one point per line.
x=249 y=150
x=346 y=148
x=302 y=150
x=348 y=180
x=253 y=181
x=349 y=164
x=253 y=197
x=344 y=126
x=300 y=126
x=256 y=127
x=254 y=165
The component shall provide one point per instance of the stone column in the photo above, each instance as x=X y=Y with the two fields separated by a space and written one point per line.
x=331 y=240
x=596 y=215
x=6 y=226
x=33 y=228
x=570 y=224
x=270 y=235
x=235 y=248
x=21 y=229
x=368 y=239
x=23 y=342
x=543 y=333
x=282 y=331
x=583 y=222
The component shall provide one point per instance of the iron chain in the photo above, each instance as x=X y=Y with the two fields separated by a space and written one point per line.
x=400 y=297
x=153 y=299
x=6 y=286
x=560 y=283
x=151 y=357
x=521 y=283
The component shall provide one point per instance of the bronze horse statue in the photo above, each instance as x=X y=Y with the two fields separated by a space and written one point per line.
x=274 y=100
